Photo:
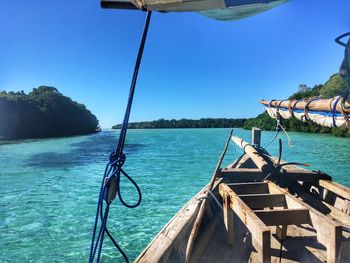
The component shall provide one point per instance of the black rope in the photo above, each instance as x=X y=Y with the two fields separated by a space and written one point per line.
x=281 y=251
x=110 y=185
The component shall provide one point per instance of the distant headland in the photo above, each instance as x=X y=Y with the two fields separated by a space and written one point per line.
x=333 y=87
x=186 y=123
x=43 y=113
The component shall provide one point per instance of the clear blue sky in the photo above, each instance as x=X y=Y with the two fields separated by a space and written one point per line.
x=193 y=66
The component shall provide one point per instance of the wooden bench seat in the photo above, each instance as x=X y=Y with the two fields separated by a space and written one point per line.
x=260 y=205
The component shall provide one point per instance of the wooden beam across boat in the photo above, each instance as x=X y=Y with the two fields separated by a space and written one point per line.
x=254 y=174
x=255 y=201
x=294 y=216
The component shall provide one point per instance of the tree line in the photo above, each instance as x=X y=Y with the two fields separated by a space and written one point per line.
x=333 y=87
x=186 y=123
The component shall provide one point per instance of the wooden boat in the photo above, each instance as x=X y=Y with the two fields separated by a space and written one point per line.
x=258 y=209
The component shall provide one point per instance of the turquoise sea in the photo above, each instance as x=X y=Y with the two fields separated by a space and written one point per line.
x=49 y=188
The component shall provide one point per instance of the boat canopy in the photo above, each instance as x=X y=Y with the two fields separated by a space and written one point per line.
x=216 y=9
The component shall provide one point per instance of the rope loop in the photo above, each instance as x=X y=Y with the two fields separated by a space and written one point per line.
x=293 y=107
x=279 y=105
x=342 y=110
x=334 y=110
x=290 y=107
x=270 y=104
x=117 y=160
x=306 y=108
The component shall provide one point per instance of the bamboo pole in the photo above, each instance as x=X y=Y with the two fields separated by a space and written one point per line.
x=316 y=105
x=259 y=161
x=201 y=211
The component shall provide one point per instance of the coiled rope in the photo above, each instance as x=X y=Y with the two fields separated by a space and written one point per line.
x=110 y=185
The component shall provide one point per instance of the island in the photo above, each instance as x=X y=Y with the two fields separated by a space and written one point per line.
x=42 y=113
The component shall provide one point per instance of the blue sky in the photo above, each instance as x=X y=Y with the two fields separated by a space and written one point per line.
x=193 y=66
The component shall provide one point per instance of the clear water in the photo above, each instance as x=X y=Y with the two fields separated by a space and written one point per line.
x=49 y=188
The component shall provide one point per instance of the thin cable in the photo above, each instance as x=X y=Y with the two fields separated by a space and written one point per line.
x=272 y=140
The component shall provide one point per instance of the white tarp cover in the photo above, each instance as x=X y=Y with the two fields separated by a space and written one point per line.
x=217 y=9
x=239 y=12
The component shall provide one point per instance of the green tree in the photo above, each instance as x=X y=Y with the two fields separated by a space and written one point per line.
x=333 y=87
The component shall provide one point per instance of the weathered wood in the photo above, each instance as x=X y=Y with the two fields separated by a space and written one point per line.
x=259 y=231
x=334 y=244
x=211 y=245
x=281 y=231
x=201 y=211
x=265 y=250
x=316 y=105
x=305 y=175
x=276 y=217
x=239 y=171
x=346 y=207
x=249 y=188
x=228 y=219
x=336 y=188
x=255 y=201
x=259 y=161
x=246 y=175
x=256 y=136
x=255 y=174
x=324 y=226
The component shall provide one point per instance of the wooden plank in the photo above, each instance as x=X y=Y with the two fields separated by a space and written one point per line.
x=346 y=207
x=249 y=188
x=265 y=250
x=228 y=219
x=284 y=216
x=255 y=174
x=255 y=201
x=241 y=175
x=259 y=231
x=328 y=231
x=281 y=231
x=240 y=171
x=334 y=244
x=336 y=188
x=256 y=136
x=305 y=175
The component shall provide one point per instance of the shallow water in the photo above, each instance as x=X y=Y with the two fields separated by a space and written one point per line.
x=49 y=188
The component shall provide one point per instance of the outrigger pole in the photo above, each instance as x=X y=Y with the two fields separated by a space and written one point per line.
x=334 y=112
x=325 y=112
